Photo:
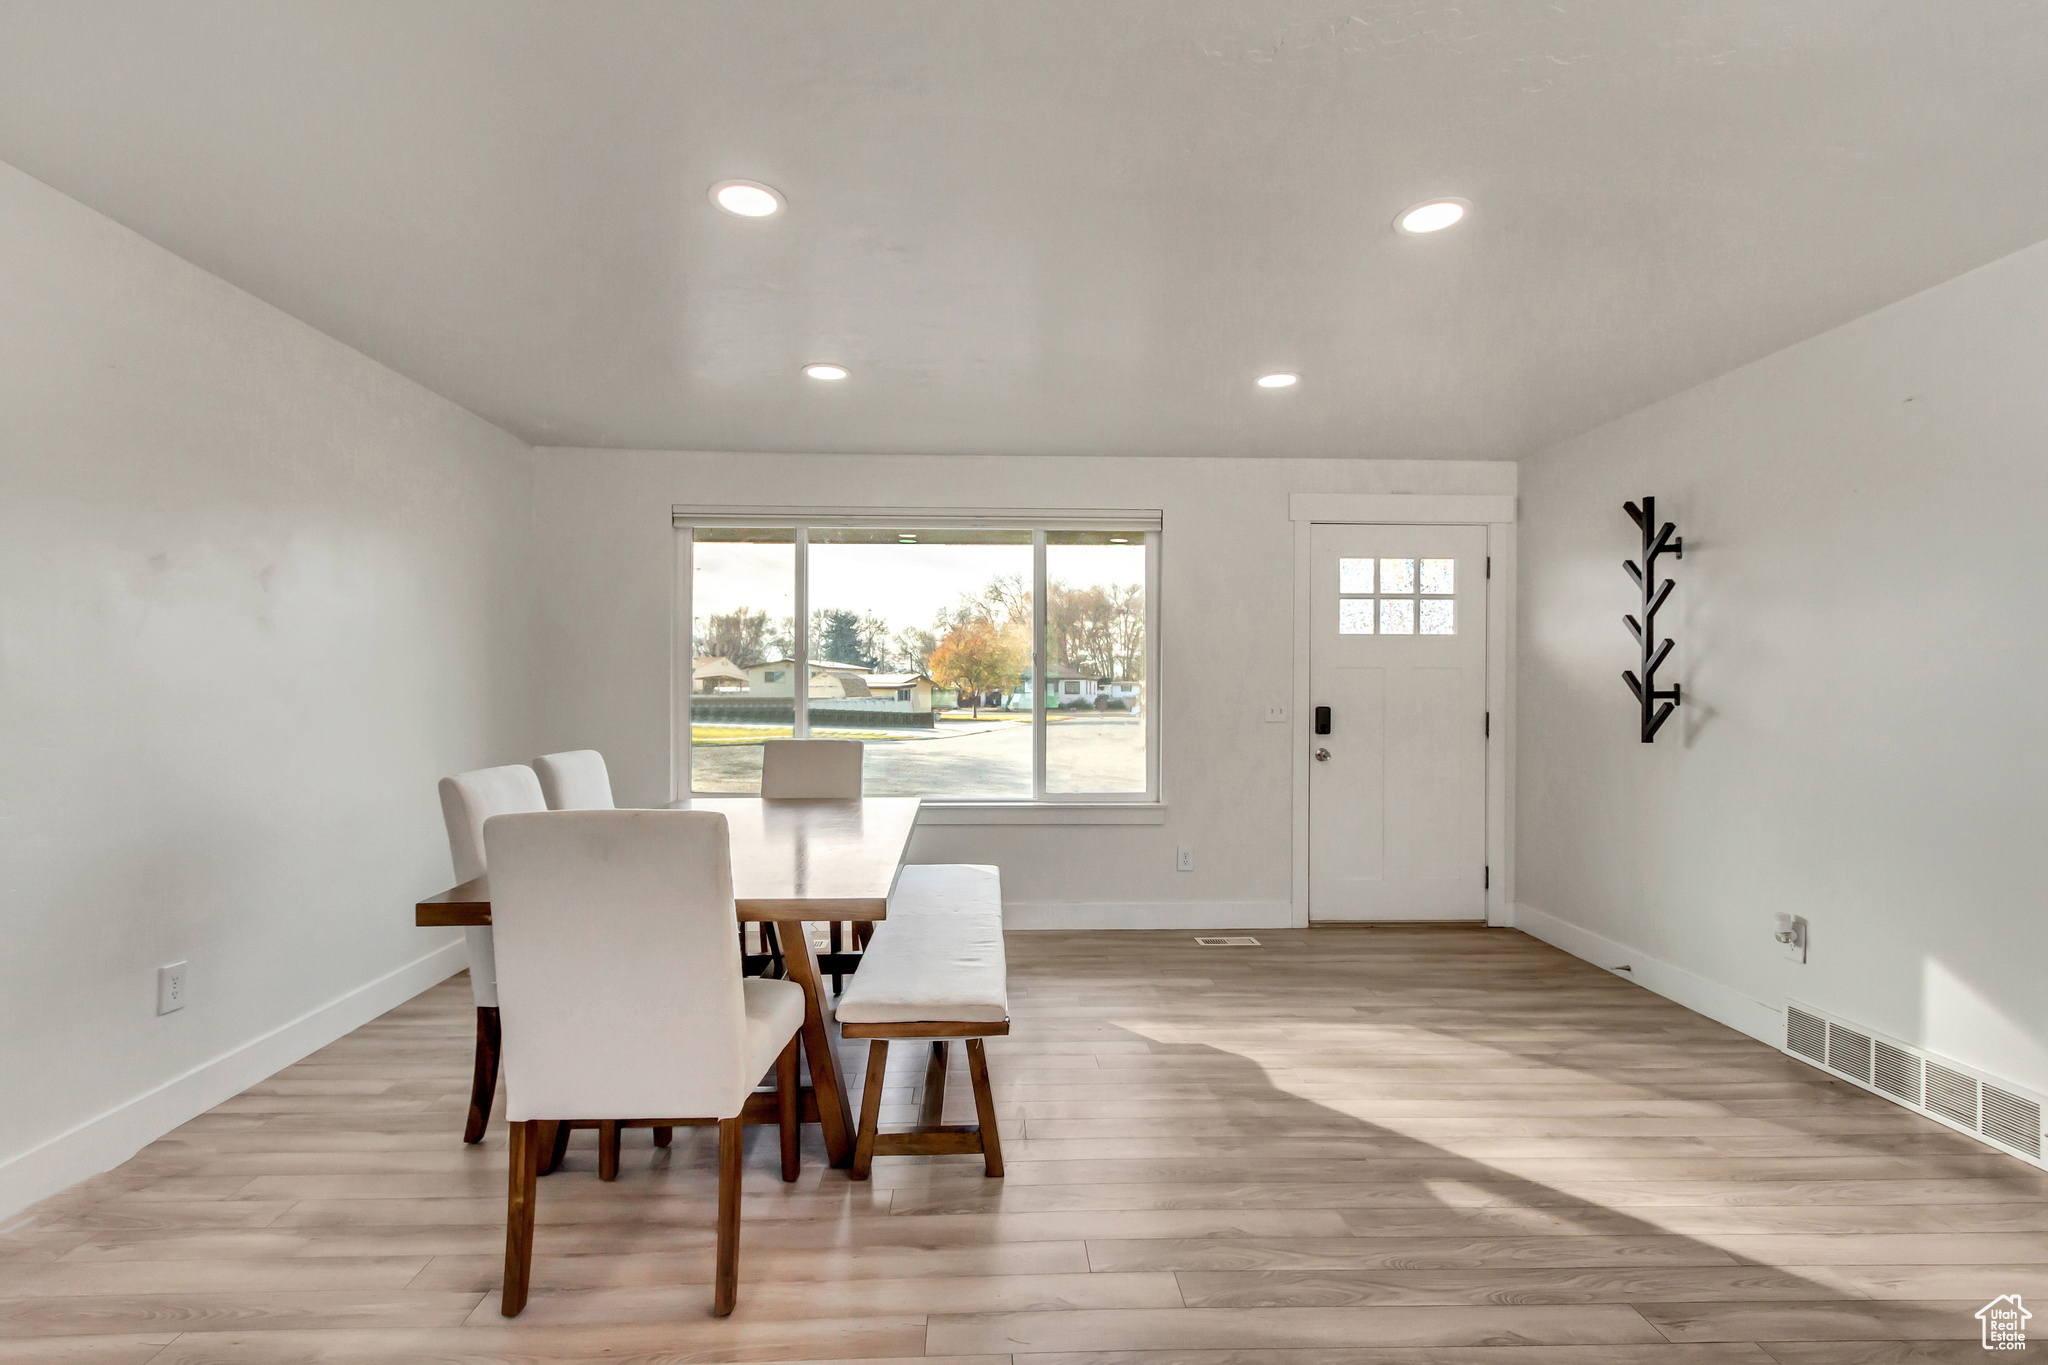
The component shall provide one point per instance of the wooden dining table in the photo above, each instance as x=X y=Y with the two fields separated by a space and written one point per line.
x=792 y=861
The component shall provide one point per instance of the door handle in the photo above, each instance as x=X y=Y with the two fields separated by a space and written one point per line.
x=1322 y=755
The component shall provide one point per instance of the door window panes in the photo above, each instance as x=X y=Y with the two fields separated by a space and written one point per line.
x=1413 y=597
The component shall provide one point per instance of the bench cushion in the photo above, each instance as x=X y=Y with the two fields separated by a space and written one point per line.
x=938 y=957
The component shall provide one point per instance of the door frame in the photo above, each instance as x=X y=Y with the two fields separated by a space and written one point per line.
x=1496 y=513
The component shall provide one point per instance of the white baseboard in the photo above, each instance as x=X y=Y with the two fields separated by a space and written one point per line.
x=102 y=1143
x=1147 y=915
x=1722 y=1004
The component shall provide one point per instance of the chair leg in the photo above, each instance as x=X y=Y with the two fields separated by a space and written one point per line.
x=789 y=1110
x=870 y=1109
x=664 y=1136
x=526 y=1144
x=771 y=942
x=608 y=1150
x=837 y=948
x=863 y=930
x=554 y=1146
x=985 y=1108
x=483 y=1085
x=731 y=1132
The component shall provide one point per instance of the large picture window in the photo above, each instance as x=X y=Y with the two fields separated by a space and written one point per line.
x=998 y=658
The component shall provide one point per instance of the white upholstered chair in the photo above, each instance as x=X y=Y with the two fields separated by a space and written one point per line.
x=619 y=924
x=467 y=800
x=576 y=780
x=810 y=768
x=814 y=769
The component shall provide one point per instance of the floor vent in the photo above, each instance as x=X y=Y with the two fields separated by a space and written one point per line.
x=2006 y=1116
x=1239 y=941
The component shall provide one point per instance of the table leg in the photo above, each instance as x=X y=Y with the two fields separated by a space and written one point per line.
x=827 y=1081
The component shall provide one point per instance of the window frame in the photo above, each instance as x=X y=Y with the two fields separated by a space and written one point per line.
x=1041 y=805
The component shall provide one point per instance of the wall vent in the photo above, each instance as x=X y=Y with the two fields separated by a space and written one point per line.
x=1952 y=1095
x=1806 y=1035
x=1228 y=941
x=1897 y=1073
x=1849 y=1053
x=2006 y=1116
x=2012 y=1120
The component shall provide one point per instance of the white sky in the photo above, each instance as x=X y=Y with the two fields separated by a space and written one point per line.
x=906 y=585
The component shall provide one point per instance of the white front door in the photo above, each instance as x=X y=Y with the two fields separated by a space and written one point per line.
x=1397 y=785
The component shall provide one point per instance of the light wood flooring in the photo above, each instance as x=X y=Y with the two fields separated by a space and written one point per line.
x=1412 y=1145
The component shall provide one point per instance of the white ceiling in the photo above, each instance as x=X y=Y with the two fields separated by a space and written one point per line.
x=1043 y=227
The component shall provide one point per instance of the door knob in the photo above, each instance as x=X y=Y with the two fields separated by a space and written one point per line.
x=1322 y=755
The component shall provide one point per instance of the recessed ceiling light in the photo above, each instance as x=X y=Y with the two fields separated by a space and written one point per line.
x=1119 y=540
x=908 y=540
x=746 y=199
x=825 y=371
x=1278 y=381
x=1434 y=216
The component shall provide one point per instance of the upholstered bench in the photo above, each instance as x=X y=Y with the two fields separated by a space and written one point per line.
x=934 y=969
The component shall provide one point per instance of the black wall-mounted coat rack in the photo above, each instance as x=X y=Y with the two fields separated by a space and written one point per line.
x=1656 y=541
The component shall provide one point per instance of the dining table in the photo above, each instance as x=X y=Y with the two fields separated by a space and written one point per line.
x=793 y=861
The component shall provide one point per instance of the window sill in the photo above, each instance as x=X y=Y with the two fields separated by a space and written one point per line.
x=1042 y=813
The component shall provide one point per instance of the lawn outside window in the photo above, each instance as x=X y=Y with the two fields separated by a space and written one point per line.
x=1002 y=662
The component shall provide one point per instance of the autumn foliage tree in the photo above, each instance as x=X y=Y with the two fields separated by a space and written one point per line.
x=976 y=657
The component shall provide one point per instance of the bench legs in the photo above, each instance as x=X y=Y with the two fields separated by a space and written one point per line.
x=931 y=1137
x=985 y=1109
x=870 y=1109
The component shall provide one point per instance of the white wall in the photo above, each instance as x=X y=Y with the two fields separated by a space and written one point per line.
x=605 y=556
x=1861 y=642
x=257 y=594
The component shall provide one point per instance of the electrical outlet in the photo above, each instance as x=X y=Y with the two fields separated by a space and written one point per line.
x=1791 y=936
x=170 y=988
x=1276 y=715
x=1186 y=859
